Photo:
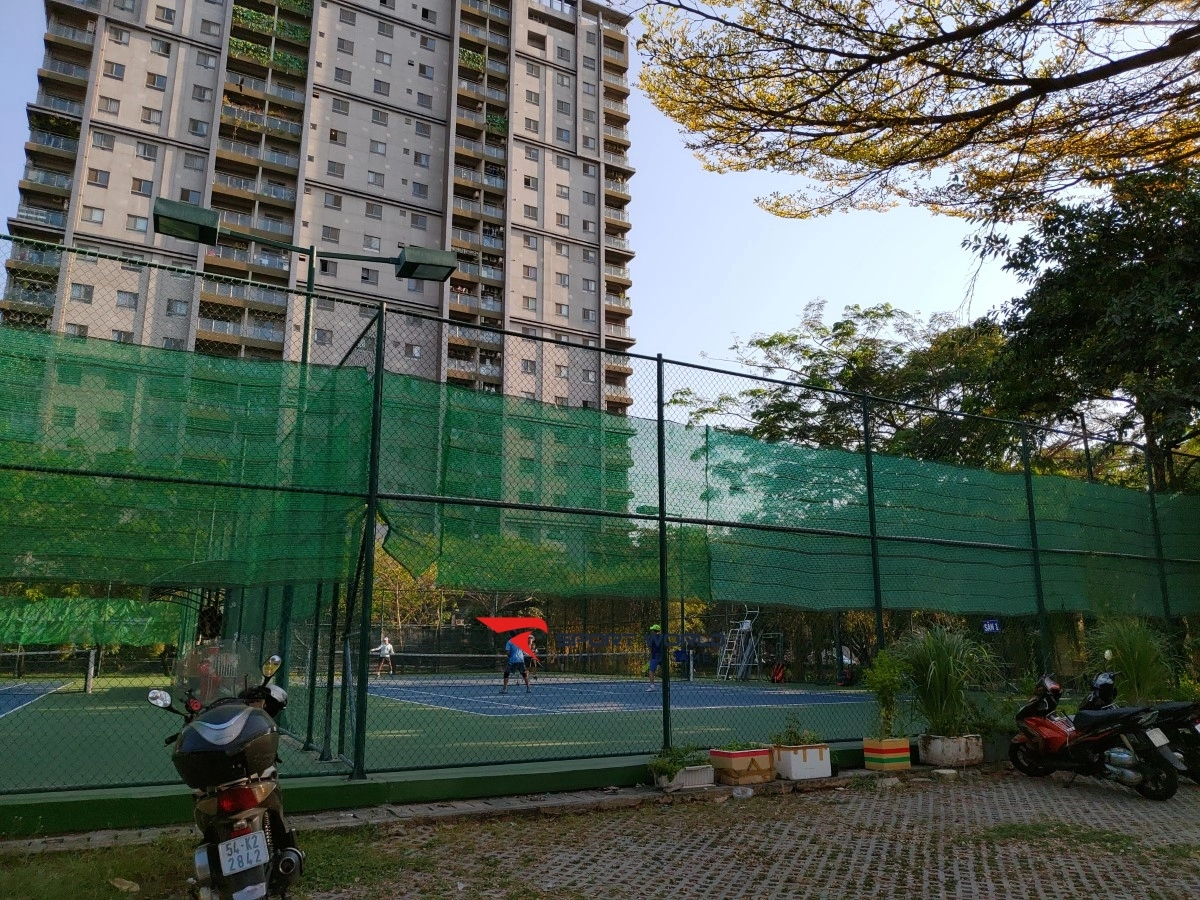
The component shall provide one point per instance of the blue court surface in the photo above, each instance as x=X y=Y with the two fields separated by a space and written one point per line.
x=17 y=694
x=552 y=695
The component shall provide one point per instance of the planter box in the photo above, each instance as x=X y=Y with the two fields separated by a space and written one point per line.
x=937 y=750
x=803 y=761
x=743 y=766
x=886 y=754
x=689 y=777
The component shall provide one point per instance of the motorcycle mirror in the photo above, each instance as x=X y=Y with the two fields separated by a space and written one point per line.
x=271 y=666
x=161 y=699
x=1108 y=655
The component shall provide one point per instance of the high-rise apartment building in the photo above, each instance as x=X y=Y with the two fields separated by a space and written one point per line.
x=496 y=128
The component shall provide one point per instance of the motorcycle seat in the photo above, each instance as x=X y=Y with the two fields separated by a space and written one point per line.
x=1097 y=719
x=1177 y=711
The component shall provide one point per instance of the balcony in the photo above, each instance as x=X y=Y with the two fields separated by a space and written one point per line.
x=618 y=159
x=613 y=131
x=65 y=68
x=617 y=106
x=464 y=236
x=618 y=361
x=495 y=65
x=617 y=272
x=270 y=261
x=236 y=182
x=281 y=158
x=240 y=148
x=59 y=104
x=474 y=334
x=30 y=256
x=618 y=301
x=252 y=293
x=496 y=212
x=489 y=370
x=495 y=242
x=619 y=215
x=617 y=392
x=621 y=332
x=264 y=333
x=465 y=174
x=54 y=141
x=29 y=296
x=496 y=273
x=93 y=5
x=218 y=326
x=469 y=115
x=495 y=152
x=51 y=218
x=236 y=254
x=470 y=207
x=462 y=365
x=497 y=95
x=618 y=81
x=46 y=178
x=467 y=86
x=610 y=53
x=566 y=9
x=78 y=35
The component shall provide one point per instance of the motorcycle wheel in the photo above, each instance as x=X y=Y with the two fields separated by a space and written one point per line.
x=1159 y=782
x=1026 y=761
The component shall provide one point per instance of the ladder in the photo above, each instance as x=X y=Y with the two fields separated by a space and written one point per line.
x=740 y=653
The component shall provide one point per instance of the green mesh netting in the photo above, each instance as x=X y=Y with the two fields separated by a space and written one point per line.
x=87 y=621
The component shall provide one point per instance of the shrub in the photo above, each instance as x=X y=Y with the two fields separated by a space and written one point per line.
x=671 y=762
x=1141 y=654
x=885 y=678
x=793 y=735
x=942 y=662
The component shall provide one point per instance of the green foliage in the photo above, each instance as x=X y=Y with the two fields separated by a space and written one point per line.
x=289 y=62
x=1141 y=655
x=249 y=50
x=740 y=745
x=497 y=123
x=670 y=763
x=471 y=59
x=886 y=678
x=942 y=664
x=794 y=734
x=304 y=7
x=248 y=18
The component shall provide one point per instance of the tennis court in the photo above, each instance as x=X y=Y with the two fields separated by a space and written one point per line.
x=15 y=695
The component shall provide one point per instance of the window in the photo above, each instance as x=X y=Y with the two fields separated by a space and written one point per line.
x=127 y=300
x=531 y=125
x=187 y=195
x=98 y=177
x=142 y=186
x=537 y=41
x=369 y=276
x=337 y=137
x=379 y=117
x=590 y=341
x=341 y=107
x=428 y=43
x=375 y=179
x=563 y=107
x=529 y=367
x=589 y=115
x=329 y=267
x=323 y=336
x=562 y=279
x=202 y=93
x=210 y=28
x=114 y=70
x=420 y=190
x=421 y=160
x=173 y=344
x=387 y=29
x=347 y=17
x=102 y=141
x=383 y=57
x=425 y=71
x=341 y=76
x=151 y=116
x=532 y=153
x=110 y=421
x=531 y=241
x=412 y=351
x=93 y=214
x=560 y=401
x=563 y=220
x=345 y=46
x=589 y=169
x=589 y=315
x=562 y=79
x=589 y=227
x=374 y=210
x=139 y=224
x=109 y=105
x=589 y=62
x=82 y=293
x=159 y=47
x=562 y=309
x=177 y=307
x=124 y=5
x=591 y=38
x=563 y=191
x=425 y=100
x=423 y=129
x=118 y=35
x=589 y=375
x=589 y=88
x=563 y=162
x=206 y=60
x=589 y=143
x=335 y=169
x=529 y=303
x=197 y=127
x=418 y=221
x=531 y=212
x=384 y=89
x=564 y=54
x=531 y=182
x=589 y=198
x=331 y=234
x=333 y=201
x=589 y=255
x=164 y=14
x=371 y=242
x=589 y=285
x=72 y=329
x=562 y=248
x=428 y=15
x=529 y=272
x=147 y=151
x=562 y=134
x=379 y=147
x=415 y=286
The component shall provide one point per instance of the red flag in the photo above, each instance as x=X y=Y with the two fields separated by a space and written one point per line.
x=513 y=623
x=523 y=641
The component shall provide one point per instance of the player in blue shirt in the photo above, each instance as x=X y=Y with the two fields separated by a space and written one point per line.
x=657 y=645
x=516 y=663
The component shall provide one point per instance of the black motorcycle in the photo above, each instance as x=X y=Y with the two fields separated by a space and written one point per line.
x=226 y=753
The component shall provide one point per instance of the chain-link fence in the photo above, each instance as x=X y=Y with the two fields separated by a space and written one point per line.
x=416 y=474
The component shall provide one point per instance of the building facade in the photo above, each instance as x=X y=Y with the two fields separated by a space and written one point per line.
x=496 y=128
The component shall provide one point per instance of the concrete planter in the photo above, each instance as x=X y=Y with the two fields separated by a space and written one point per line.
x=690 y=777
x=743 y=766
x=886 y=754
x=803 y=761
x=952 y=752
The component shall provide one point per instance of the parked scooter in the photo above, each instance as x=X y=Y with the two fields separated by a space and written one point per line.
x=1119 y=744
x=227 y=753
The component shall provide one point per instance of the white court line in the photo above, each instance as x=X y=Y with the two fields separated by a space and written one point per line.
x=34 y=700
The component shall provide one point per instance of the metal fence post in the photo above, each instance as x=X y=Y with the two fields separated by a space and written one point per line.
x=331 y=673
x=309 y=287
x=1159 y=560
x=876 y=581
x=663 y=612
x=1043 y=619
x=312 y=667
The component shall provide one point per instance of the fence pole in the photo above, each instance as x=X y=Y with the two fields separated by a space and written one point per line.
x=1043 y=619
x=876 y=581
x=663 y=612
x=327 y=744
x=312 y=667
x=309 y=287
x=364 y=617
x=1158 y=548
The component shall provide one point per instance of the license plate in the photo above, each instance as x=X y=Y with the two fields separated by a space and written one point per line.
x=1197 y=727
x=243 y=853
x=1157 y=738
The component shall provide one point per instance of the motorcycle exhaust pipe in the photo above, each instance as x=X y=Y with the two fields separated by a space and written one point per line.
x=203 y=869
x=290 y=863
x=1127 y=777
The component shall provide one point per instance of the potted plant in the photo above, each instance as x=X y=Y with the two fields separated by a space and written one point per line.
x=800 y=753
x=886 y=678
x=942 y=662
x=742 y=763
x=681 y=767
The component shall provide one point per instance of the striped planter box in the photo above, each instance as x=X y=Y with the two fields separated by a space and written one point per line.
x=743 y=766
x=886 y=754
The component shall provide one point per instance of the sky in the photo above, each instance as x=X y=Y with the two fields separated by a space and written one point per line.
x=711 y=266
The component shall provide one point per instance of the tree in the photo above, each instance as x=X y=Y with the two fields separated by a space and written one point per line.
x=973 y=107
x=1110 y=326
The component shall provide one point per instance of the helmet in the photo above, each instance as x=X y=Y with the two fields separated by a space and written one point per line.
x=655 y=628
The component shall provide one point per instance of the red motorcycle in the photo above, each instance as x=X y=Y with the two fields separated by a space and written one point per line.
x=1120 y=744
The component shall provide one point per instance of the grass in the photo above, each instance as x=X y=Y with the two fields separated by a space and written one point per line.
x=1055 y=835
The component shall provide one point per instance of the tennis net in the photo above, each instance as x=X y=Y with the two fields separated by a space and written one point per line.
x=33 y=666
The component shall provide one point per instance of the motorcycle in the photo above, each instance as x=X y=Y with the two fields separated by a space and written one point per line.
x=226 y=752
x=1118 y=744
